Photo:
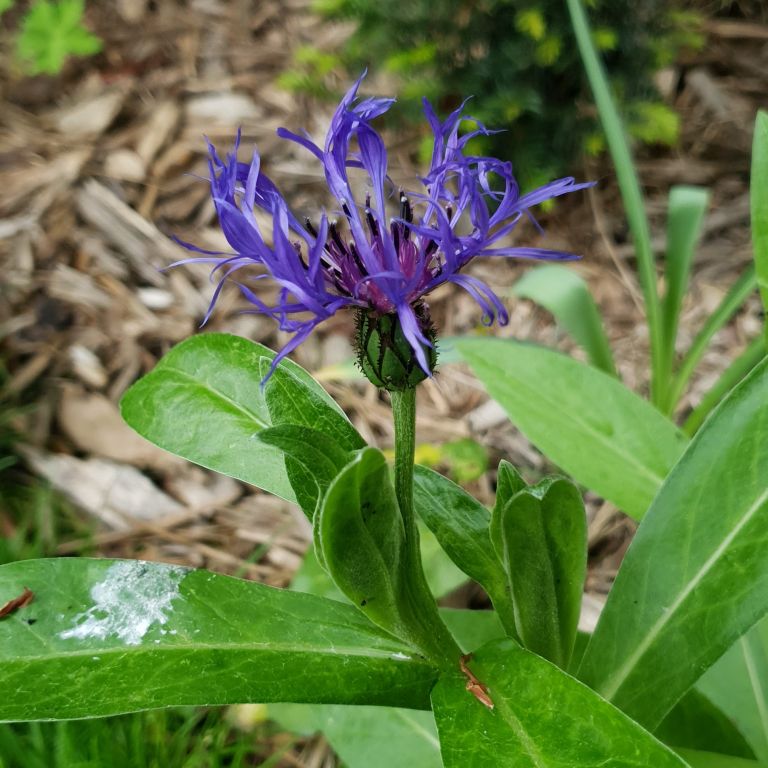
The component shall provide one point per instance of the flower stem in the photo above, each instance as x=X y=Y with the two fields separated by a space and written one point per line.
x=404 y=415
x=435 y=638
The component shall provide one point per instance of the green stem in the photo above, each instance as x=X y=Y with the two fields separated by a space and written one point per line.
x=404 y=415
x=435 y=638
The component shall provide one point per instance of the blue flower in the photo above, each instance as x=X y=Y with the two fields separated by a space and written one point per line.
x=362 y=258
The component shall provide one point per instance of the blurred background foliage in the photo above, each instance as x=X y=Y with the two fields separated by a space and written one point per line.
x=525 y=77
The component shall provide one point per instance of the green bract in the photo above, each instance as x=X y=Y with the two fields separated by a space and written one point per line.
x=384 y=354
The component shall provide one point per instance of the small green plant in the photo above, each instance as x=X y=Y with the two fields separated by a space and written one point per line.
x=51 y=32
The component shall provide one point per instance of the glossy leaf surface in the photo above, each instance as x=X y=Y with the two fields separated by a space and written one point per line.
x=696 y=575
x=541 y=539
x=312 y=461
x=204 y=402
x=598 y=431
x=542 y=718
x=563 y=292
x=109 y=636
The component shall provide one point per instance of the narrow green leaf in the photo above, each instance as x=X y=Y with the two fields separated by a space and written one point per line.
x=543 y=546
x=629 y=185
x=564 y=293
x=685 y=217
x=738 y=684
x=730 y=303
x=108 y=636
x=542 y=718
x=203 y=401
x=758 y=187
x=696 y=723
x=598 y=431
x=360 y=540
x=704 y=537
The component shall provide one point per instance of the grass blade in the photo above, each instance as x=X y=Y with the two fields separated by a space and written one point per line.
x=629 y=185
x=759 y=204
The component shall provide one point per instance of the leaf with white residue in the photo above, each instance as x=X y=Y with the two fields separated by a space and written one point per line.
x=104 y=636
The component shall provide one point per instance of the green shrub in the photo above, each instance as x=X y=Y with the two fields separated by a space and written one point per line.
x=519 y=61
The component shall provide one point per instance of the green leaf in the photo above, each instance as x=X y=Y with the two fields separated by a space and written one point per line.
x=543 y=546
x=367 y=737
x=109 y=636
x=696 y=759
x=693 y=580
x=360 y=540
x=731 y=302
x=312 y=461
x=738 y=684
x=730 y=377
x=758 y=187
x=542 y=718
x=291 y=401
x=687 y=206
x=598 y=431
x=442 y=575
x=696 y=723
x=203 y=401
x=565 y=294
x=50 y=32
x=459 y=522
x=629 y=185
x=472 y=628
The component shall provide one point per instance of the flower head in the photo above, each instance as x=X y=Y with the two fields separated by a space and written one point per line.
x=360 y=257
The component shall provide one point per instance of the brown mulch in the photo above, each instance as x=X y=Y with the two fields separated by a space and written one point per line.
x=100 y=165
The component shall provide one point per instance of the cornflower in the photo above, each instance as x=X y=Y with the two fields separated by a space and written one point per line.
x=361 y=259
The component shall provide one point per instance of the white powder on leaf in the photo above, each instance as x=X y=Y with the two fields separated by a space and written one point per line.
x=133 y=596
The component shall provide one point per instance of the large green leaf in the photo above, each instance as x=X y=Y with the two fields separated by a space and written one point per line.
x=204 y=401
x=758 y=194
x=602 y=434
x=738 y=684
x=542 y=718
x=696 y=575
x=565 y=294
x=541 y=539
x=109 y=636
